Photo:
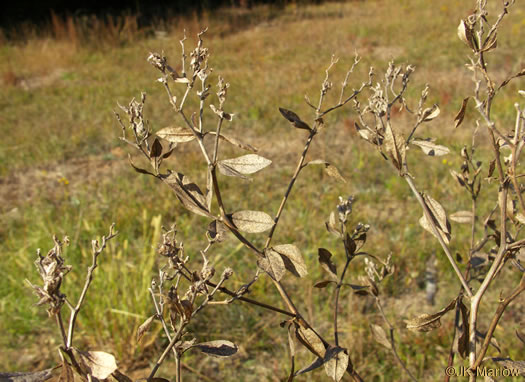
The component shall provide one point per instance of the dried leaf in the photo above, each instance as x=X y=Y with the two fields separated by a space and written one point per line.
x=520 y=218
x=395 y=147
x=359 y=289
x=294 y=119
x=188 y=193
x=427 y=322
x=380 y=336
x=463 y=339
x=246 y=164
x=324 y=284
x=293 y=260
x=336 y=362
x=186 y=308
x=98 y=364
x=218 y=348
x=464 y=217
x=229 y=171
x=66 y=375
x=121 y=377
x=430 y=113
x=318 y=362
x=181 y=80
x=466 y=35
x=330 y=169
x=308 y=337
x=156 y=149
x=459 y=178
x=292 y=335
x=478 y=259
x=439 y=218
x=490 y=43
x=461 y=113
x=176 y=134
x=273 y=264
x=326 y=262
x=144 y=328
x=217 y=231
x=431 y=149
x=138 y=169
x=333 y=227
x=238 y=143
x=252 y=221
x=37 y=376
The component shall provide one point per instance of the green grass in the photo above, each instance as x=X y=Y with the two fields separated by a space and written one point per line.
x=63 y=170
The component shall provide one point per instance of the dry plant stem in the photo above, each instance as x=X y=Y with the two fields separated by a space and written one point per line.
x=60 y=324
x=97 y=250
x=337 y=292
x=515 y=156
x=179 y=333
x=476 y=299
x=298 y=169
x=392 y=340
x=495 y=320
x=438 y=235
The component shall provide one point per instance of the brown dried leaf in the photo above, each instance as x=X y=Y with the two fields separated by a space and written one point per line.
x=324 y=284
x=431 y=149
x=427 y=322
x=252 y=221
x=326 y=262
x=464 y=217
x=466 y=35
x=188 y=193
x=176 y=134
x=318 y=362
x=138 y=169
x=294 y=119
x=430 y=113
x=380 y=336
x=330 y=169
x=37 y=376
x=333 y=227
x=461 y=342
x=217 y=231
x=246 y=164
x=292 y=336
x=144 y=328
x=336 y=362
x=121 y=377
x=490 y=43
x=218 y=348
x=293 y=260
x=439 y=218
x=461 y=113
x=98 y=364
x=66 y=375
x=308 y=337
x=459 y=178
x=238 y=143
x=273 y=264
x=229 y=171
x=156 y=149
x=395 y=147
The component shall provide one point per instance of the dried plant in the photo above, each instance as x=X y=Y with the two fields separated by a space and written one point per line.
x=185 y=286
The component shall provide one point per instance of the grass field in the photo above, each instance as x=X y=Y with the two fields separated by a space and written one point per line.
x=63 y=170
